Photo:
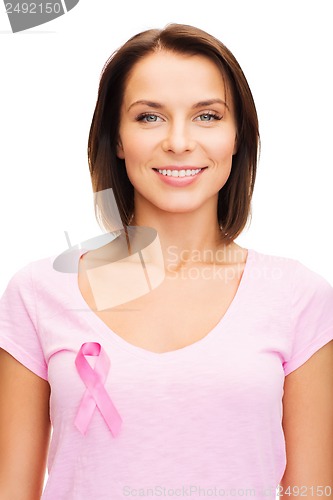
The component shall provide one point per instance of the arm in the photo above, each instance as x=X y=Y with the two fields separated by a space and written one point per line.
x=308 y=427
x=24 y=430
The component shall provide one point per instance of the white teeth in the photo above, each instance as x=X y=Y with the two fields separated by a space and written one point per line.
x=179 y=173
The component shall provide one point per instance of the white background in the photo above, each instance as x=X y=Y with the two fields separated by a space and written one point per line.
x=49 y=80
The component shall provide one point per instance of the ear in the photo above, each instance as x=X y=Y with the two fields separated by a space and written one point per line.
x=120 y=150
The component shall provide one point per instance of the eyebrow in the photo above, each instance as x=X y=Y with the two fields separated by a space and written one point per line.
x=200 y=104
x=209 y=102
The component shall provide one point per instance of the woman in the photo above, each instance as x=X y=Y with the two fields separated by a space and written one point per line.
x=218 y=379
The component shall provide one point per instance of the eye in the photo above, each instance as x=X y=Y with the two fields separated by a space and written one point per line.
x=209 y=117
x=148 y=118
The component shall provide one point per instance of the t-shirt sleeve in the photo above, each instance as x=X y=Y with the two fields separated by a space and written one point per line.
x=311 y=314
x=18 y=323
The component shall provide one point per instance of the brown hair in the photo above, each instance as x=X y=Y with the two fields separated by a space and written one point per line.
x=108 y=171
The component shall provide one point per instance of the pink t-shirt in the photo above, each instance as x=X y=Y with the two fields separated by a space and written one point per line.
x=201 y=421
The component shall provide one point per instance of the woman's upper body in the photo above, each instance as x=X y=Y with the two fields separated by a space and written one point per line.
x=186 y=345
x=205 y=412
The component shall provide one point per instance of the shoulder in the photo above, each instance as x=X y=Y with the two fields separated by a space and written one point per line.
x=42 y=274
x=298 y=286
x=292 y=270
x=300 y=296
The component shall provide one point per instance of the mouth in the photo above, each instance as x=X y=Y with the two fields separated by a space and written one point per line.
x=179 y=172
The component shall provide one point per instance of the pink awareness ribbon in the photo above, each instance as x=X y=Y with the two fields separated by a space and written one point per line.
x=95 y=394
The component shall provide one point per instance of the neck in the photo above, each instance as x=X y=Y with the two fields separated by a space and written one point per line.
x=188 y=238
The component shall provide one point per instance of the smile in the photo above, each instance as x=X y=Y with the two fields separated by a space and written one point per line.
x=179 y=177
x=179 y=173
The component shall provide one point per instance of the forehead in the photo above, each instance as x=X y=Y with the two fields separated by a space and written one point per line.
x=171 y=76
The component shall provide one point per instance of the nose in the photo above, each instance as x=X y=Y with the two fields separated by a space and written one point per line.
x=178 y=138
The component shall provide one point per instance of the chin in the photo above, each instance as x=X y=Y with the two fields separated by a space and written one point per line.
x=179 y=208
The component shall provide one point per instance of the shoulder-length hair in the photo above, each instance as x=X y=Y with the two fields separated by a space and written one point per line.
x=108 y=171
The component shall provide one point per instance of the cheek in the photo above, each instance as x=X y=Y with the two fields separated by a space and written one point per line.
x=136 y=154
x=137 y=149
x=222 y=148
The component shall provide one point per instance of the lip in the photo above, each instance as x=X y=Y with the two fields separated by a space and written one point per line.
x=182 y=167
x=179 y=181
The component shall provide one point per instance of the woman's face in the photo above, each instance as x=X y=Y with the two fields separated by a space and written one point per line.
x=177 y=135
